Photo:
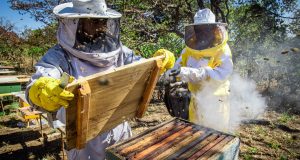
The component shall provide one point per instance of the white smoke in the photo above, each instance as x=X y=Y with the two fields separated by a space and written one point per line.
x=225 y=113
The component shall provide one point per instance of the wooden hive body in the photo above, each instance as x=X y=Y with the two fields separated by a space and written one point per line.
x=177 y=139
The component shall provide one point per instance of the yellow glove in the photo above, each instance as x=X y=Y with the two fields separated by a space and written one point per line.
x=47 y=93
x=168 y=61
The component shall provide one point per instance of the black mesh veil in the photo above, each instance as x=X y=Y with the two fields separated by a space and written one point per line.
x=204 y=36
x=97 y=35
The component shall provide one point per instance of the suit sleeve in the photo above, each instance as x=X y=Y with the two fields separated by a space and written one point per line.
x=220 y=73
x=129 y=56
x=49 y=66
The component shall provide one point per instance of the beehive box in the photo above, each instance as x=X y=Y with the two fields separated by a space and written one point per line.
x=177 y=139
x=104 y=100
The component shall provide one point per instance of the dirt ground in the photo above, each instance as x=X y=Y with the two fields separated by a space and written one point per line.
x=275 y=136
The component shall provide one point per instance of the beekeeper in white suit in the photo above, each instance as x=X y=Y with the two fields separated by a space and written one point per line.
x=206 y=60
x=88 y=43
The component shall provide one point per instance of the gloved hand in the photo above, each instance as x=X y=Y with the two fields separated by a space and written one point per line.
x=174 y=72
x=193 y=75
x=177 y=99
x=179 y=89
x=168 y=61
x=177 y=96
x=47 y=93
x=171 y=75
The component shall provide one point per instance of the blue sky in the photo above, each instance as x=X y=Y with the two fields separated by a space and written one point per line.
x=19 y=21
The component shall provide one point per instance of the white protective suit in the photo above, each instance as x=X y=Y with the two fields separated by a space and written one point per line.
x=63 y=58
x=206 y=67
x=198 y=72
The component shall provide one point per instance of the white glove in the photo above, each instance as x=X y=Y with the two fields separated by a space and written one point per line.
x=193 y=75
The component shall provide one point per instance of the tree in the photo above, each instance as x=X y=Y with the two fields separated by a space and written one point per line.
x=41 y=10
x=259 y=31
x=9 y=40
x=262 y=34
x=143 y=21
x=14 y=49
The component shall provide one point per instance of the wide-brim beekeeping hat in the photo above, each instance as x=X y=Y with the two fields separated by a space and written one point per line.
x=205 y=16
x=85 y=9
x=205 y=32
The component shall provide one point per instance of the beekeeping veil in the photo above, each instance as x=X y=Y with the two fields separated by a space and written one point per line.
x=204 y=33
x=90 y=31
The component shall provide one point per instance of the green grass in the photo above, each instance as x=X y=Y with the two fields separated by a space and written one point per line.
x=273 y=144
x=285 y=118
x=2 y=113
x=283 y=157
x=252 y=150
x=247 y=157
x=260 y=130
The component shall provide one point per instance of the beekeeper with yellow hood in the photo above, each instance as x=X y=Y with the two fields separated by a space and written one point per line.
x=88 y=43
x=206 y=60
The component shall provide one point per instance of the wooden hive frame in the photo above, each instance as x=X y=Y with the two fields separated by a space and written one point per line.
x=104 y=100
x=176 y=139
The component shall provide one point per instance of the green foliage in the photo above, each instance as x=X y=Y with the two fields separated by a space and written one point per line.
x=259 y=32
x=170 y=42
x=15 y=49
x=147 y=26
x=36 y=51
x=260 y=23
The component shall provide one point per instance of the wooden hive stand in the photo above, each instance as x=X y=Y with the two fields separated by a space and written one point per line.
x=25 y=111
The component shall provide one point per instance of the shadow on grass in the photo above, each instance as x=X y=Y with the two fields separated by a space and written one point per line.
x=52 y=148
x=11 y=123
